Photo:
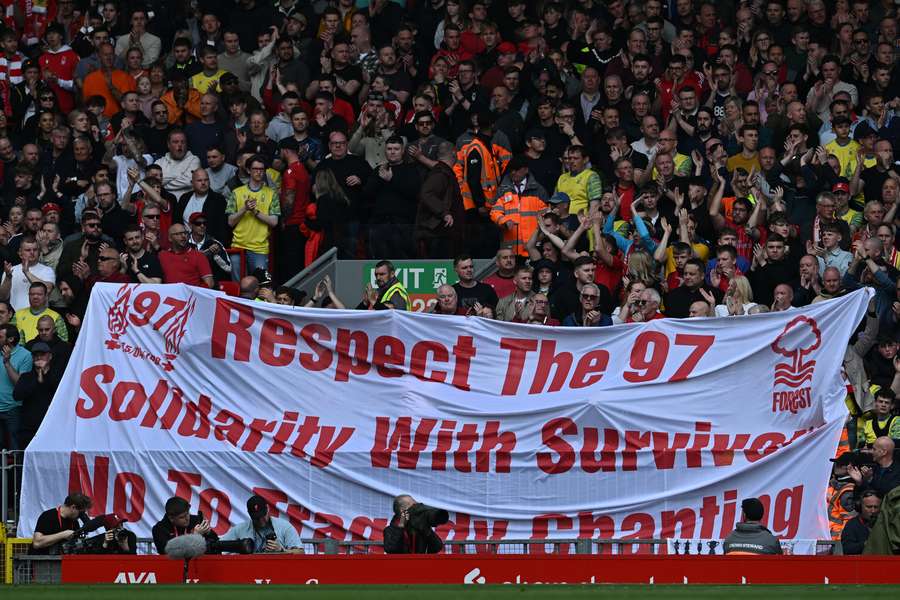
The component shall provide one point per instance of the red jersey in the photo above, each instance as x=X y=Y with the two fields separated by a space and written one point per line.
x=610 y=276
x=296 y=178
x=61 y=63
x=188 y=266
x=504 y=286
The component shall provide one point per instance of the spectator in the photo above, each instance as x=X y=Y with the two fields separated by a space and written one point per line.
x=178 y=164
x=439 y=217
x=46 y=333
x=390 y=293
x=469 y=291
x=750 y=536
x=35 y=389
x=884 y=477
x=17 y=279
x=16 y=361
x=253 y=210
x=588 y=314
x=27 y=318
x=107 y=81
x=678 y=301
x=448 y=302
x=856 y=530
x=518 y=304
x=182 y=263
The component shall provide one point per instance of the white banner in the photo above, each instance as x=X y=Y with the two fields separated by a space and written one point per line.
x=634 y=431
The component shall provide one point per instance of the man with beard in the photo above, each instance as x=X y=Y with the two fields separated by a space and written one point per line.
x=140 y=265
x=269 y=534
x=182 y=263
x=84 y=246
x=856 y=530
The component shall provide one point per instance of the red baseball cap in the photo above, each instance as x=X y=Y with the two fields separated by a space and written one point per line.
x=506 y=48
x=841 y=187
x=51 y=207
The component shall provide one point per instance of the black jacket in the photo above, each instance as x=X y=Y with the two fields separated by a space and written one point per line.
x=213 y=210
x=678 y=301
x=854 y=536
x=400 y=540
x=165 y=531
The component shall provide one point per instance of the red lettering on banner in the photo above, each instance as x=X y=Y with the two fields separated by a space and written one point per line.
x=96 y=396
x=406 y=446
x=709 y=510
x=763 y=445
x=547 y=359
x=419 y=360
x=232 y=427
x=607 y=460
x=129 y=489
x=157 y=399
x=217 y=505
x=684 y=521
x=518 y=350
x=590 y=369
x=223 y=328
x=334 y=527
x=693 y=456
x=786 y=516
x=388 y=352
x=729 y=512
x=321 y=357
x=663 y=453
x=600 y=526
x=647 y=368
x=273 y=337
x=284 y=431
x=305 y=433
x=80 y=479
x=540 y=529
x=184 y=483
x=257 y=428
x=325 y=447
x=121 y=395
x=357 y=363
x=464 y=352
x=550 y=433
x=722 y=453
x=634 y=441
x=367 y=528
x=503 y=441
x=466 y=439
x=196 y=419
x=643 y=526
x=130 y=505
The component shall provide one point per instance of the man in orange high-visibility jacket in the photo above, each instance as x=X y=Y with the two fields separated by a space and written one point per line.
x=520 y=200
x=479 y=167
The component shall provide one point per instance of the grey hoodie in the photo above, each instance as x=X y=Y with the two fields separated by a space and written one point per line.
x=751 y=538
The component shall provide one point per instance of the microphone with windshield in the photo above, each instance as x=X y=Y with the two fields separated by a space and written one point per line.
x=186 y=547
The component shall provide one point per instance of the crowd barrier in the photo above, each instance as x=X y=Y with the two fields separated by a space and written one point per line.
x=460 y=569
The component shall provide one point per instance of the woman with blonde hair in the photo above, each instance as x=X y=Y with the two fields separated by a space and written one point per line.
x=332 y=213
x=642 y=267
x=738 y=299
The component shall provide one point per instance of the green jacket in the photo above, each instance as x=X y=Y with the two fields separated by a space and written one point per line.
x=885 y=535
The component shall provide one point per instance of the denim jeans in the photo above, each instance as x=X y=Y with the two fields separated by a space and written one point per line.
x=9 y=428
x=254 y=261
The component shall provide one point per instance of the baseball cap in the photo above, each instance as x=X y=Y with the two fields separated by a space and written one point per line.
x=506 y=48
x=195 y=217
x=560 y=198
x=257 y=507
x=51 y=207
x=841 y=185
x=40 y=347
x=535 y=134
x=229 y=77
x=262 y=276
x=844 y=460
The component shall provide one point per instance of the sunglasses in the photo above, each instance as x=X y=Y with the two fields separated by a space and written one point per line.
x=203 y=223
x=589 y=296
x=151 y=216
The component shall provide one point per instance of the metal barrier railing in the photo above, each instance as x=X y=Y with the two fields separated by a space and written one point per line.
x=11 y=464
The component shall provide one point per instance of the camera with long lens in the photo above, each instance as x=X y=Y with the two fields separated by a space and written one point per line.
x=80 y=543
x=422 y=517
x=242 y=546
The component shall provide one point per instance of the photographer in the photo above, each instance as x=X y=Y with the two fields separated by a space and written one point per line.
x=177 y=521
x=410 y=531
x=268 y=534
x=56 y=525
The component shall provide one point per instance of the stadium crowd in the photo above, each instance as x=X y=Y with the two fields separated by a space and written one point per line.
x=622 y=160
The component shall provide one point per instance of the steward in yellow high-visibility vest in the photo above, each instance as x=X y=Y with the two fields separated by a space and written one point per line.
x=390 y=293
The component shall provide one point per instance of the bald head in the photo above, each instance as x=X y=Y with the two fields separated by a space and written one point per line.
x=884 y=444
x=249 y=287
